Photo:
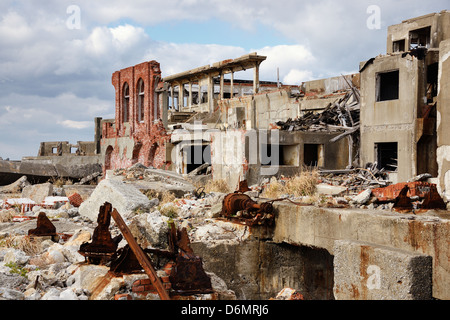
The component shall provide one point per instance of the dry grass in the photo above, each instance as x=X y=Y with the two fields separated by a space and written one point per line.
x=7 y=215
x=163 y=197
x=169 y=210
x=23 y=243
x=217 y=186
x=300 y=185
x=60 y=182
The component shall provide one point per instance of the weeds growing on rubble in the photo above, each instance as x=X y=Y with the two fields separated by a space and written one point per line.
x=23 y=243
x=303 y=184
x=217 y=186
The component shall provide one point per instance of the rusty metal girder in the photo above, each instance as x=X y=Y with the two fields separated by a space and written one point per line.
x=141 y=256
x=252 y=212
x=44 y=227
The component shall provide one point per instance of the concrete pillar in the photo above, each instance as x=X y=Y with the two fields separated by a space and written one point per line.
x=232 y=85
x=221 y=86
x=256 y=79
x=210 y=93
x=365 y=271
x=172 y=97
x=180 y=96
x=190 y=96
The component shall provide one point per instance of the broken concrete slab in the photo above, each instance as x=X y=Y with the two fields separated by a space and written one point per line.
x=153 y=179
x=323 y=188
x=123 y=197
x=15 y=187
x=365 y=271
x=38 y=192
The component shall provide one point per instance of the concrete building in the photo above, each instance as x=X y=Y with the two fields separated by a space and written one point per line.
x=399 y=99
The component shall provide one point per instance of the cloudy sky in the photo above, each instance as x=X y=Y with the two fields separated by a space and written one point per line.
x=57 y=56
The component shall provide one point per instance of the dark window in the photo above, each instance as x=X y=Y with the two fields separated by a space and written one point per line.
x=141 y=95
x=313 y=155
x=399 y=46
x=126 y=101
x=387 y=85
x=419 y=38
x=387 y=155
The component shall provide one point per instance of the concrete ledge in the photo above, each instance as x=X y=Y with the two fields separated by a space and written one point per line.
x=321 y=227
x=363 y=271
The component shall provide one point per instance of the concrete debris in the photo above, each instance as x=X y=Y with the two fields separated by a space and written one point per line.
x=38 y=192
x=126 y=198
x=289 y=294
x=15 y=187
x=42 y=268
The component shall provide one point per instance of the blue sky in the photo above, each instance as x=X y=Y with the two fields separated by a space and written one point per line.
x=54 y=80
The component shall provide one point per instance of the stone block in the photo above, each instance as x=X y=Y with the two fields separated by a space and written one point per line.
x=38 y=192
x=365 y=271
x=123 y=197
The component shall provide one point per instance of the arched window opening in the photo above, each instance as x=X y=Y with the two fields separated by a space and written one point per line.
x=126 y=102
x=140 y=101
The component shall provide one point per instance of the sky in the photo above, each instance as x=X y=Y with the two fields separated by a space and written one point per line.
x=57 y=57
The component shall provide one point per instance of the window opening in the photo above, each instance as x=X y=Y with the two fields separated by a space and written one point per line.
x=126 y=101
x=387 y=155
x=313 y=155
x=141 y=100
x=387 y=85
x=419 y=38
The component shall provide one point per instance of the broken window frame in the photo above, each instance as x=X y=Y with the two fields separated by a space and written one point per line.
x=140 y=98
x=399 y=45
x=382 y=84
x=423 y=35
x=382 y=147
x=126 y=102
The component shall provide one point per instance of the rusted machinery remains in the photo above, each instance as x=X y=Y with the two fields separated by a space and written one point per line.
x=103 y=247
x=44 y=228
x=187 y=275
x=241 y=208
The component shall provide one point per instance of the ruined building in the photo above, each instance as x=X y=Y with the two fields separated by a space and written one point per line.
x=207 y=115
x=401 y=109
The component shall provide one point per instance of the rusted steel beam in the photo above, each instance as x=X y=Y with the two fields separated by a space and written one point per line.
x=140 y=256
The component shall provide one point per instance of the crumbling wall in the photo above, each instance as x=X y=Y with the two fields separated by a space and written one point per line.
x=393 y=120
x=443 y=117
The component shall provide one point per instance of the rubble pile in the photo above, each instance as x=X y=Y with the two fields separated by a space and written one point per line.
x=338 y=116
x=357 y=179
x=45 y=233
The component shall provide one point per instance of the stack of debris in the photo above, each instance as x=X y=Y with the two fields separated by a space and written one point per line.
x=340 y=116
x=357 y=179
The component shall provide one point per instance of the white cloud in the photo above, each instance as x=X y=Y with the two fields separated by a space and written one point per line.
x=76 y=124
x=296 y=77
